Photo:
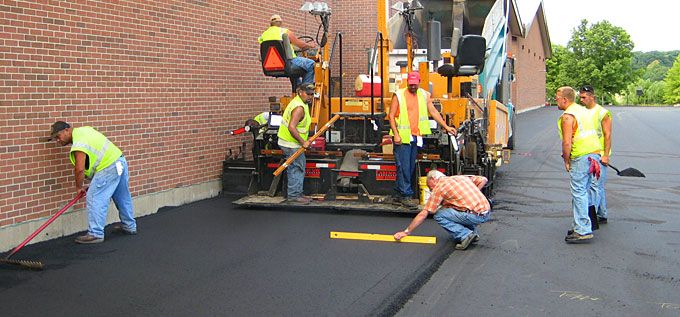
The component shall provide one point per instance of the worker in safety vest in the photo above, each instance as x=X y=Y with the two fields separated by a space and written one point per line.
x=580 y=147
x=603 y=122
x=293 y=134
x=409 y=119
x=275 y=32
x=259 y=120
x=95 y=157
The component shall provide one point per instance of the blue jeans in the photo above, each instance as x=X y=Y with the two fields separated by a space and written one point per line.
x=596 y=193
x=405 y=158
x=296 y=173
x=306 y=64
x=580 y=184
x=459 y=224
x=107 y=184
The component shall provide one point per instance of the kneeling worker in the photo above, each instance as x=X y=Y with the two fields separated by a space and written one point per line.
x=94 y=156
x=463 y=207
x=293 y=134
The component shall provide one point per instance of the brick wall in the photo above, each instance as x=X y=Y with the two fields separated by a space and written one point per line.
x=358 y=22
x=164 y=80
x=528 y=90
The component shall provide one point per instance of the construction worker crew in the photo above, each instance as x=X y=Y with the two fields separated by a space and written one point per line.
x=261 y=120
x=580 y=146
x=603 y=122
x=409 y=121
x=95 y=157
x=275 y=32
x=463 y=207
x=293 y=134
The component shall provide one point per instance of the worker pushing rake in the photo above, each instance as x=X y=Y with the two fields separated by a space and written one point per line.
x=37 y=265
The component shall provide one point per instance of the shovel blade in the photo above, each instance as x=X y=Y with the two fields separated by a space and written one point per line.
x=631 y=172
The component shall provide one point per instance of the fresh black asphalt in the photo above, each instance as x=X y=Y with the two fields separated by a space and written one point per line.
x=523 y=267
x=210 y=259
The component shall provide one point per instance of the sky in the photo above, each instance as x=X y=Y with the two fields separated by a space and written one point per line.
x=651 y=24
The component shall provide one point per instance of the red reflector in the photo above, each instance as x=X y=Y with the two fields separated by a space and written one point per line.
x=349 y=174
x=273 y=165
x=378 y=167
x=320 y=165
x=443 y=170
x=273 y=60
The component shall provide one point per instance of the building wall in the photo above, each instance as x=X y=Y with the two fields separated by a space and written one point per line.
x=528 y=90
x=164 y=80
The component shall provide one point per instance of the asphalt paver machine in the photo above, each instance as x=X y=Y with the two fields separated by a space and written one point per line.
x=459 y=49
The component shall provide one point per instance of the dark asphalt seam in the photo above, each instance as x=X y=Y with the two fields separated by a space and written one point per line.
x=396 y=301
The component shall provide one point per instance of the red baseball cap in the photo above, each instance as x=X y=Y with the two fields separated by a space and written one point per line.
x=413 y=78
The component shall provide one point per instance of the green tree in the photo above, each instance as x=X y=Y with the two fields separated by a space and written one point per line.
x=642 y=59
x=602 y=55
x=652 y=92
x=672 y=82
x=557 y=70
x=655 y=71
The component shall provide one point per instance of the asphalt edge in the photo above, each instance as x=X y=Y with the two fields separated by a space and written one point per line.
x=396 y=301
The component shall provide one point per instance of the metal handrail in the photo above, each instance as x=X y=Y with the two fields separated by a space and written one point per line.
x=378 y=39
x=338 y=38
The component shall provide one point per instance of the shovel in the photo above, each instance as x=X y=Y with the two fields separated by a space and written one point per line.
x=631 y=172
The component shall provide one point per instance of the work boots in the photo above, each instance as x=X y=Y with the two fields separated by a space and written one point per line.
x=407 y=202
x=118 y=228
x=89 y=239
x=575 y=237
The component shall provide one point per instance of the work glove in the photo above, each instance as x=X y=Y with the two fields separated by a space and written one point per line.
x=594 y=168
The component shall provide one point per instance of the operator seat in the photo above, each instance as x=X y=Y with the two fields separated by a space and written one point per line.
x=470 y=59
x=276 y=56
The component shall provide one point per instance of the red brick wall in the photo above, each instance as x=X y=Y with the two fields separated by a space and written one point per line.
x=528 y=90
x=358 y=22
x=163 y=79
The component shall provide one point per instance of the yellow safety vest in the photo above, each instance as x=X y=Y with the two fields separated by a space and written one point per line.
x=403 y=124
x=585 y=139
x=275 y=33
x=600 y=113
x=262 y=118
x=101 y=153
x=285 y=138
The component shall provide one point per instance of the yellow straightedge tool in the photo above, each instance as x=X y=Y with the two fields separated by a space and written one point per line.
x=381 y=237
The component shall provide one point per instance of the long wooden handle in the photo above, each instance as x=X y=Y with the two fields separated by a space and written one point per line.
x=302 y=149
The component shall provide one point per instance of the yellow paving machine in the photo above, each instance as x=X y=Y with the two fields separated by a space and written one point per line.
x=459 y=49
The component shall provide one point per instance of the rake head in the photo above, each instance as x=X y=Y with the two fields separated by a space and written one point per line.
x=33 y=265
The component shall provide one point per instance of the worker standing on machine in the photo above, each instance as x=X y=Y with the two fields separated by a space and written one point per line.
x=293 y=134
x=275 y=32
x=409 y=120
x=94 y=156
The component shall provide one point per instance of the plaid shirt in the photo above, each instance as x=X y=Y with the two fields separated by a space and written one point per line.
x=459 y=192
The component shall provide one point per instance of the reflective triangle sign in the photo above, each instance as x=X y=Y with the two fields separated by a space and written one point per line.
x=273 y=61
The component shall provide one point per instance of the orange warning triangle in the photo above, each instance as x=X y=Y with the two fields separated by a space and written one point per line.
x=273 y=61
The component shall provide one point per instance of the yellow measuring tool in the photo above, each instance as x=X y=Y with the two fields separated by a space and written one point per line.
x=381 y=237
